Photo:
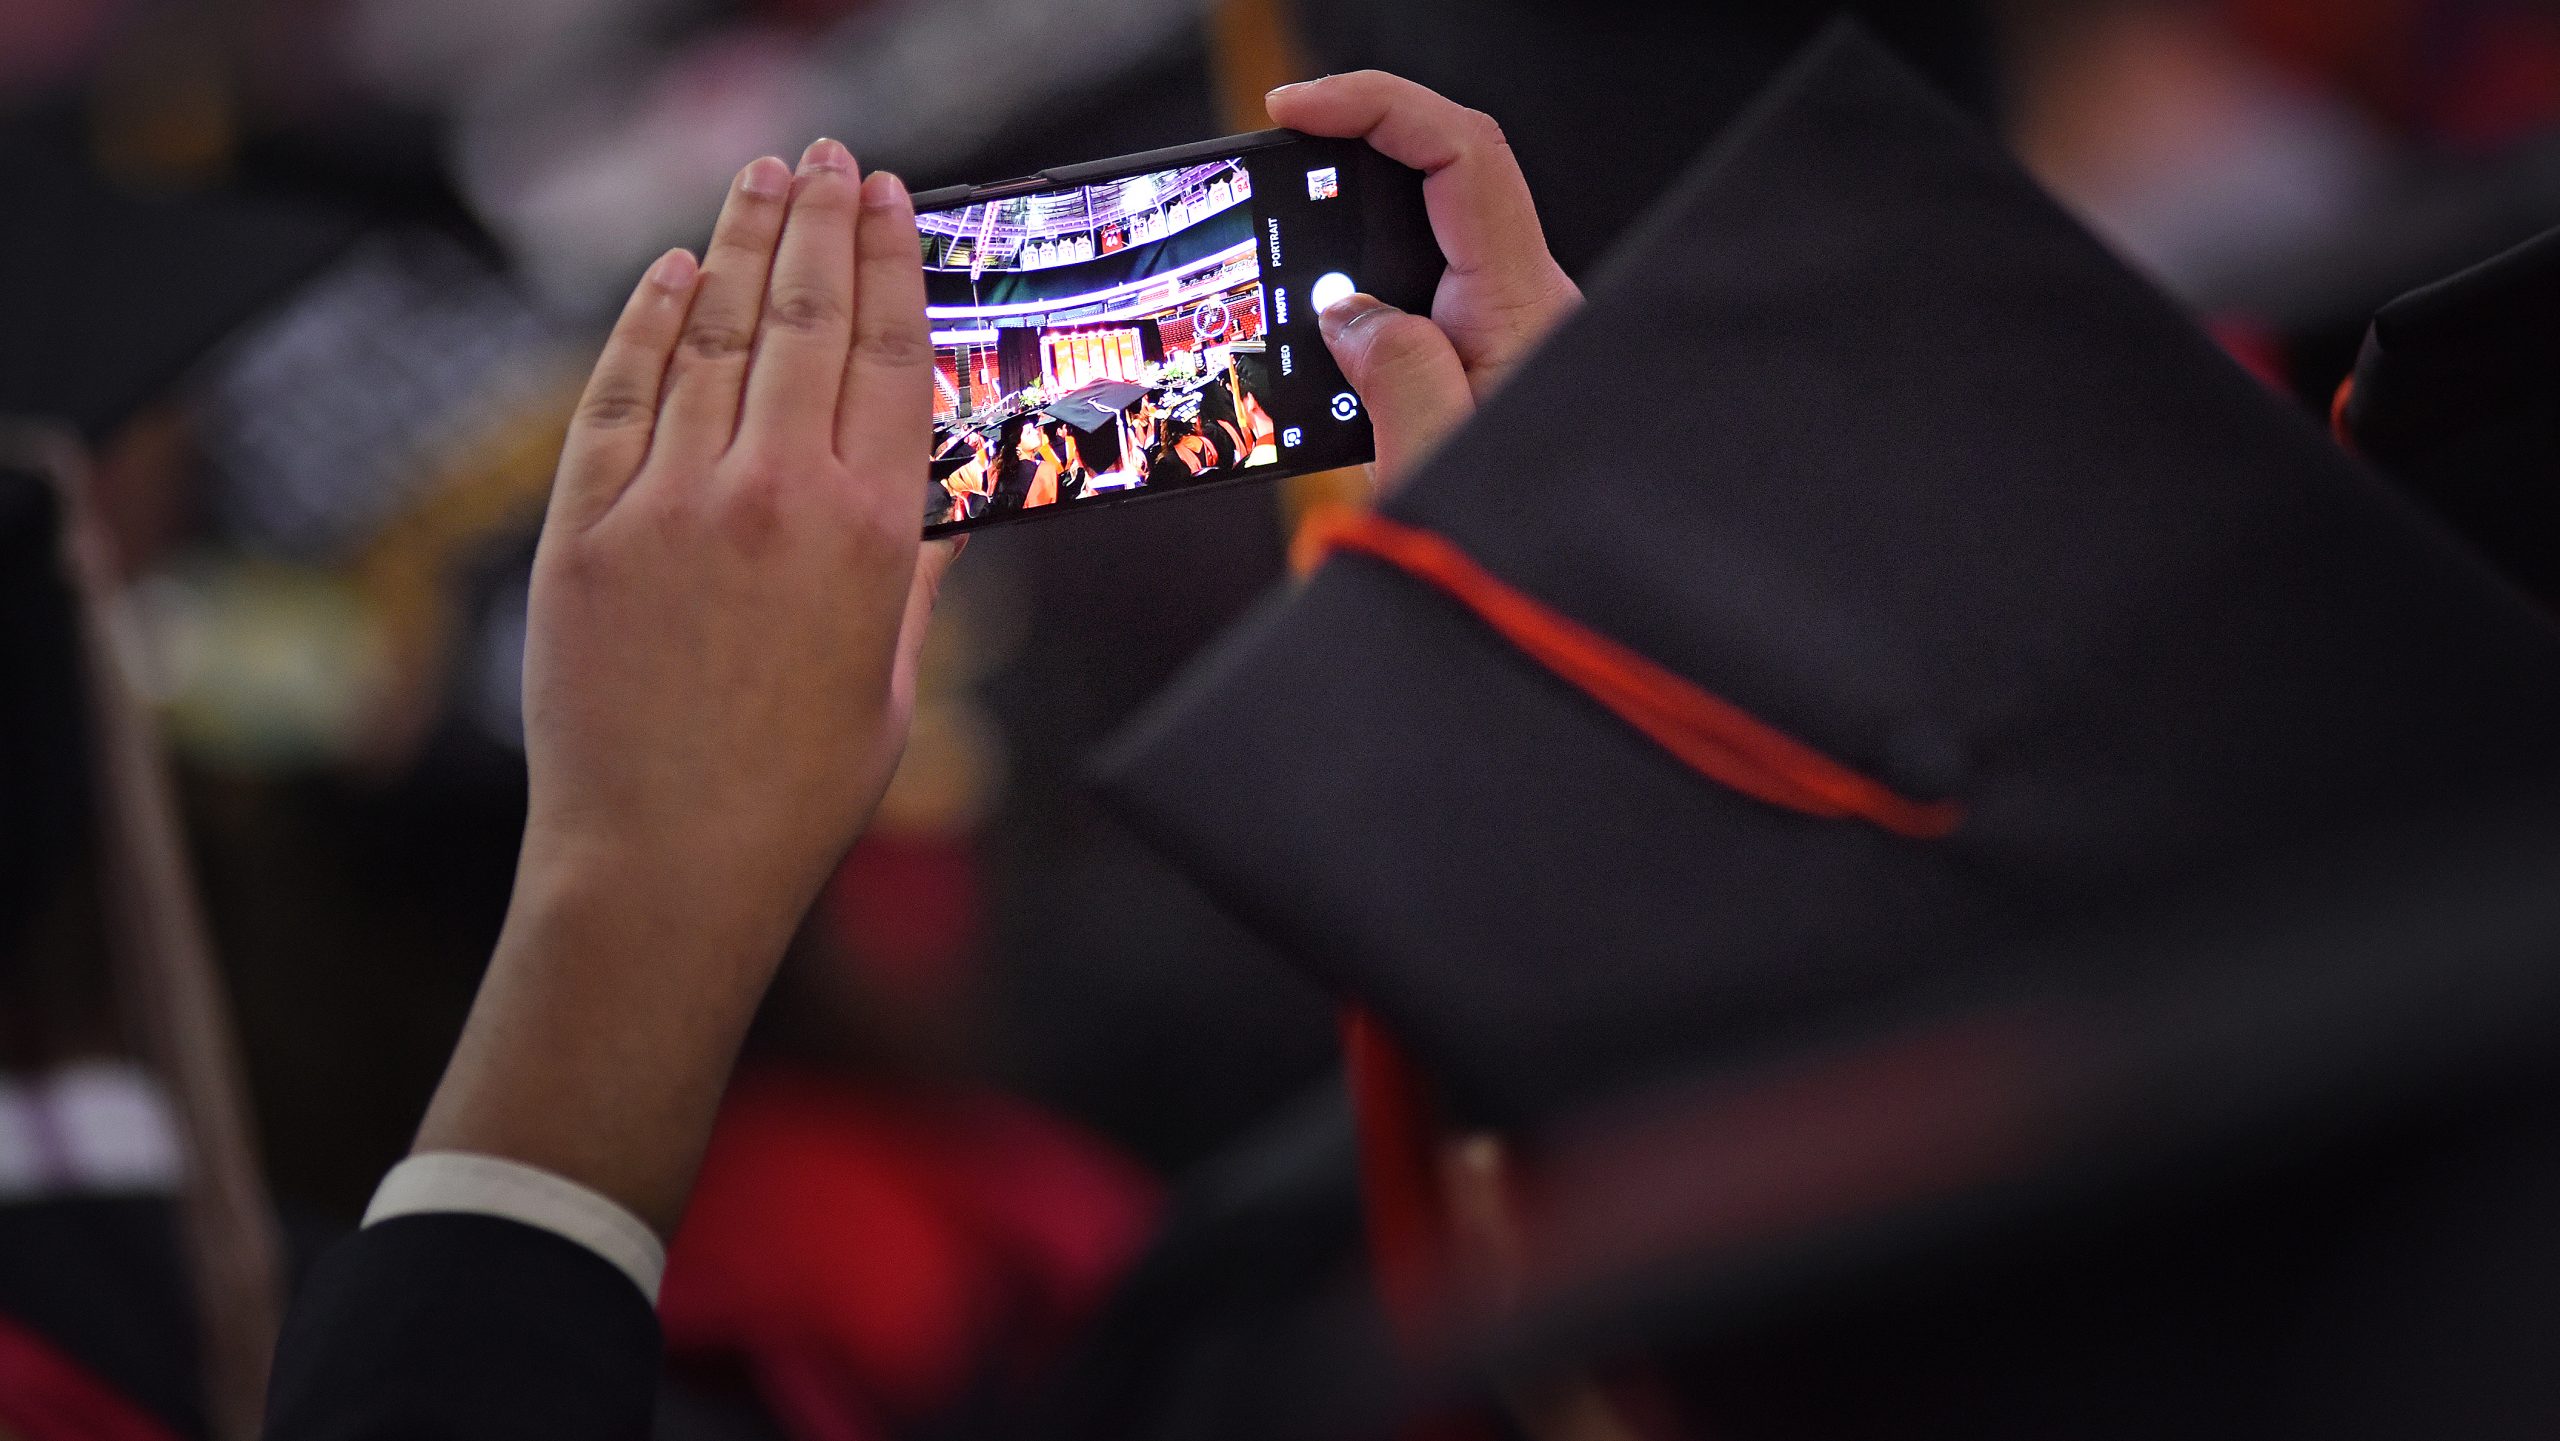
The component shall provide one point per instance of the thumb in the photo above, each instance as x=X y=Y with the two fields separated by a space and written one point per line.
x=933 y=562
x=1406 y=372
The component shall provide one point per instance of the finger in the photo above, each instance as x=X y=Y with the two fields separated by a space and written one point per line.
x=887 y=407
x=798 y=366
x=933 y=563
x=1406 y=372
x=1487 y=1247
x=610 y=432
x=1479 y=202
x=710 y=369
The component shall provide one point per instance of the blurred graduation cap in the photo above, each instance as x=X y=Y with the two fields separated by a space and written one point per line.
x=108 y=298
x=44 y=747
x=2457 y=395
x=1980 y=748
x=1092 y=406
x=1988 y=594
x=111 y=296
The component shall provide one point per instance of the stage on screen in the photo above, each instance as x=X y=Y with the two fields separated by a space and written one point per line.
x=1096 y=340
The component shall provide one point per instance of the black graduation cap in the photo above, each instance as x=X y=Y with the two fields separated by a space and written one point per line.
x=2457 y=395
x=44 y=743
x=1992 y=558
x=1092 y=406
x=110 y=295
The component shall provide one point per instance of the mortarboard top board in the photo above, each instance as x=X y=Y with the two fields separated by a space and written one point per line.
x=111 y=296
x=2456 y=394
x=1928 y=481
x=1091 y=407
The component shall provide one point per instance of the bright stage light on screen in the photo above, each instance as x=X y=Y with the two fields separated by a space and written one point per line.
x=1330 y=290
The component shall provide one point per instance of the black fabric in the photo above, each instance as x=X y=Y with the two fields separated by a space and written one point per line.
x=1605 y=102
x=44 y=741
x=1260 y=1239
x=1925 y=478
x=1100 y=447
x=111 y=295
x=2137 y=1185
x=1093 y=407
x=2457 y=395
x=102 y=1279
x=1013 y=484
x=459 y=1326
x=2397 y=1287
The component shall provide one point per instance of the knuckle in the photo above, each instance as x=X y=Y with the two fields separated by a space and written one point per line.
x=871 y=532
x=676 y=510
x=716 y=340
x=751 y=508
x=895 y=346
x=615 y=408
x=759 y=473
x=804 y=309
x=568 y=558
x=674 y=524
x=1481 y=131
x=1400 y=342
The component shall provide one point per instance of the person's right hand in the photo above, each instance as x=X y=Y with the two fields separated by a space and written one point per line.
x=1421 y=378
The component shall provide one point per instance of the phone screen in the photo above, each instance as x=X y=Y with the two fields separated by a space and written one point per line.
x=1152 y=331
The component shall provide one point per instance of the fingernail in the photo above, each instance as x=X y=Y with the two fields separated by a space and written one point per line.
x=824 y=154
x=673 y=270
x=883 y=190
x=1344 y=313
x=1285 y=89
x=768 y=178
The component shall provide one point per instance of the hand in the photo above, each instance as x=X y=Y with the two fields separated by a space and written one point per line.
x=727 y=603
x=1421 y=378
x=726 y=611
x=1488 y=1265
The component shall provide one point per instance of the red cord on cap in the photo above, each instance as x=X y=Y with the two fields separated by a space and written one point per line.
x=2339 y=430
x=1717 y=739
x=47 y=1396
x=1392 y=1104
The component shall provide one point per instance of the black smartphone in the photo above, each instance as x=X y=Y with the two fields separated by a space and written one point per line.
x=1147 y=325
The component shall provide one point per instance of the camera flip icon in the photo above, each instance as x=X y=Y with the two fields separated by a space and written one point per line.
x=1345 y=406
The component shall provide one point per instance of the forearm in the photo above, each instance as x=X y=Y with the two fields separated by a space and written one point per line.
x=605 y=1031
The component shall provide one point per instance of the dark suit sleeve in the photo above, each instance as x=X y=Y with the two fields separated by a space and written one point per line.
x=430 y=1327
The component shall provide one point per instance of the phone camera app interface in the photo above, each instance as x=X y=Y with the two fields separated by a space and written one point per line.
x=1150 y=332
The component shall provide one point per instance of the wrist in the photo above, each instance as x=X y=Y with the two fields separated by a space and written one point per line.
x=607 y=1023
x=702 y=906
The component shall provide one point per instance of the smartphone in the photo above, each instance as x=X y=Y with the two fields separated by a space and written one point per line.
x=1146 y=326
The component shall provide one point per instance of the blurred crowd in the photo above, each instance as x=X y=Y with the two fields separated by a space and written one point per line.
x=309 y=285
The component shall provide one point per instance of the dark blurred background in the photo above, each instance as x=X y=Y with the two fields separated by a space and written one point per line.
x=313 y=280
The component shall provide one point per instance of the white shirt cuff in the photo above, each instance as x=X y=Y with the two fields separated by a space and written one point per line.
x=449 y=1182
